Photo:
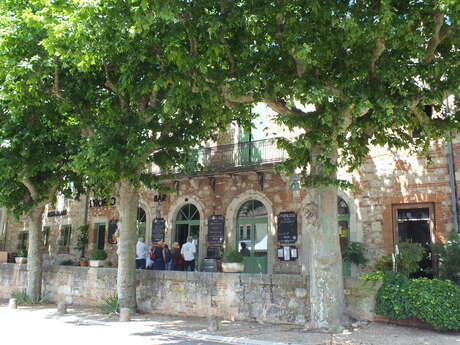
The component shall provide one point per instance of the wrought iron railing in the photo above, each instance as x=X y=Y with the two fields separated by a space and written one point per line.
x=233 y=156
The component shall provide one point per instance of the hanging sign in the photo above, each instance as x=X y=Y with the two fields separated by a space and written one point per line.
x=158 y=229
x=216 y=226
x=287 y=227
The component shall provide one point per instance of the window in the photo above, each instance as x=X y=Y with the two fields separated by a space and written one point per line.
x=100 y=236
x=343 y=218
x=64 y=241
x=46 y=236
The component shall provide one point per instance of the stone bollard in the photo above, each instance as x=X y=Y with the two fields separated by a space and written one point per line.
x=125 y=314
x=13 y=304
x=213 y=323
x=62 y=308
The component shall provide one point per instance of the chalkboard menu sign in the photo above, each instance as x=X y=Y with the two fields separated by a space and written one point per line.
x=216 y=225
x=112 y=235
x=158 y=230
x=287 y=227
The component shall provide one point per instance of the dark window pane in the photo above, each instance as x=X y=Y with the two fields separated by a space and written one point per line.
x=342 y=207
x=411 y=214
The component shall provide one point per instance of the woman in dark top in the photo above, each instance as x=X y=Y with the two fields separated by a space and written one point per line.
x=177 y=259
x=158 y=259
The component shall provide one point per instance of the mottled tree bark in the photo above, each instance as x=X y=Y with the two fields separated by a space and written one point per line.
x=34 y=255
x=126 y=277
x=325 y=260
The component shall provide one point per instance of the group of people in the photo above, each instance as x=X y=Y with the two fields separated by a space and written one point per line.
x=161 y=258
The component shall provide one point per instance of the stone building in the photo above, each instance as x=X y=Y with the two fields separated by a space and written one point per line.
x=232 y=194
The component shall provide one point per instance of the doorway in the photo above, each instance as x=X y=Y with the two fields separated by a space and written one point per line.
x=188 y=224
x=252 y=229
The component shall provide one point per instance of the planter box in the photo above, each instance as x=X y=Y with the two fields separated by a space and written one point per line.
x=96 y=263
x=232 y=267
x=20 y=260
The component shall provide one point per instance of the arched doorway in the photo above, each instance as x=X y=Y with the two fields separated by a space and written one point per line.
x=188 y=224
x=252 y=229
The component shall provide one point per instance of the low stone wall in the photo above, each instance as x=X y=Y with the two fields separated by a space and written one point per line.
x=269 y=298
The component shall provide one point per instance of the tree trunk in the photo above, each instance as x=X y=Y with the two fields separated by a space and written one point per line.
x=34 y=256
x=325 y=259
x=126 y=278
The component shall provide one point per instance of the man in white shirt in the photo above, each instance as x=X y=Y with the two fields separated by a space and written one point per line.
x=188 y=252
x=141 y=253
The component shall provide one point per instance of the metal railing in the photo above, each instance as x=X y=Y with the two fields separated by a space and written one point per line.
x=233 y=156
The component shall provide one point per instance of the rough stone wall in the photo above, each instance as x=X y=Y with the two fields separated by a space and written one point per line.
x=269 y=298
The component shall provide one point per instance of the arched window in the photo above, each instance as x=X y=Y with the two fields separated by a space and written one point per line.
x=141 y=222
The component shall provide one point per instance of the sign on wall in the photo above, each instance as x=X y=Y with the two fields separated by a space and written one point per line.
x=158 y=230
x=216 y=229
x=287 y=227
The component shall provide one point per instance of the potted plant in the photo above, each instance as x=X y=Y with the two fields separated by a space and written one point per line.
x=97 y=258
x=82 y=240
x=232 y=261
x=21 y=256
x=84 y=261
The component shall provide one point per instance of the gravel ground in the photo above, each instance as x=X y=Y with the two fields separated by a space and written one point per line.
x=82 y=325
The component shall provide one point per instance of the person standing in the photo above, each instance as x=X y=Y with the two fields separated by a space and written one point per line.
x=177 y=259
x=167 y=257
x=158 y=258
x=141 y=253
x=188 y=252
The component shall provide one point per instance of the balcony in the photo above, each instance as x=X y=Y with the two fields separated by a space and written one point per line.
x=232 y=157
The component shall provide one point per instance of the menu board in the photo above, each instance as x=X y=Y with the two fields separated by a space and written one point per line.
x=216 y=226
x=158 y=230
x=287 y=227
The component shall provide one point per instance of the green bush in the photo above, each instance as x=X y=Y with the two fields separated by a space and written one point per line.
x=98 y=254
x=392 y=297
x=67 y=263
x=407 y=262
x=354 y=253
x=434 y=301
x=232 y=255
x=22 y=298
x=21 y=253
x=448 y=257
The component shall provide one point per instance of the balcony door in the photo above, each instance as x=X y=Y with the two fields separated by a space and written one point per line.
x=252 y=229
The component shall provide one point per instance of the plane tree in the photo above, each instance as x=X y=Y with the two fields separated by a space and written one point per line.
x=144 y=109
x=377 y=73
x=38 y=134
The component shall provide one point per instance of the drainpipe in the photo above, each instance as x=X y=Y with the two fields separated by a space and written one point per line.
x=452 y=182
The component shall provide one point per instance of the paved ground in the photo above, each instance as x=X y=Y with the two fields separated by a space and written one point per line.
x=42 y=324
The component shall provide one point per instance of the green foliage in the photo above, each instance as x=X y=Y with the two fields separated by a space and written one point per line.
x=354 y=253
x=407 y=261
x=384 y=263
x=82 y=240
x=110 y=305
x=22 y=298
x=410 y=254
x=392 y=297
x=98 y=254
x=21 y=253
x=373 y=276
x=434 y=301
x=232 y=255
x=67 y=262
x=448 y=257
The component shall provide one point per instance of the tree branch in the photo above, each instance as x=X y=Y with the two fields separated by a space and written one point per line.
x=31 y=188
x=378 y=51
x=438 y=35
x=56 y=89
x=281 y=108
